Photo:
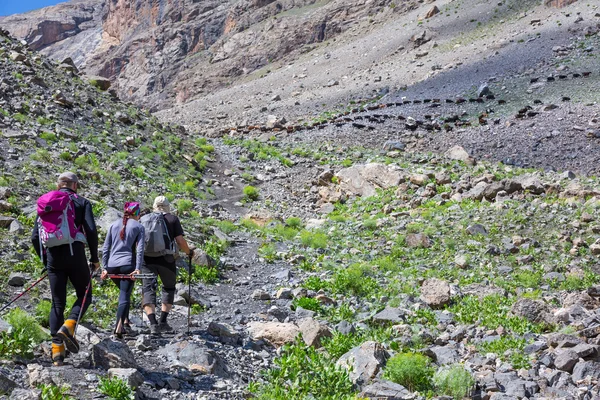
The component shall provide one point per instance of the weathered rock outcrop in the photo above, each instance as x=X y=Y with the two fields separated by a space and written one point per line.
x=165 y=52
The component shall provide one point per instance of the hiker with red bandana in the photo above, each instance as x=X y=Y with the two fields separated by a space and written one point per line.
x=123 y=254
x=65 y=224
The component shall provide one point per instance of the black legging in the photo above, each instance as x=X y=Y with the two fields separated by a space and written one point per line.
x=63 y=267
x=126 y=287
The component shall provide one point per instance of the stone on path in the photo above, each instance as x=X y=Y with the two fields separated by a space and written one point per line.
x=112 y=354
x=276 y=333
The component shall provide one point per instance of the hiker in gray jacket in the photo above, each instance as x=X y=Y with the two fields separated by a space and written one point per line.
x=123 y=254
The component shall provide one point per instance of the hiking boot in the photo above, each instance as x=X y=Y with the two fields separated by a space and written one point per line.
x=66 y=334
x=154 y=329
x=58 y=354
x=165 y=328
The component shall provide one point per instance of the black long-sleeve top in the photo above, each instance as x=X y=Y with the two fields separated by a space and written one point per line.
x=84 y=218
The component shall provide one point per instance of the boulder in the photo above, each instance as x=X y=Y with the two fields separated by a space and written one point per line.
x=389 y=316
x=460 y=154
x=130 y=375
x=418 y=240
x=364 y=362
x=531 y=183
x=86 y=336
x=435 y=292
x=363 y=180
x=535 y=311
x=313 y=331
x=586 y=368
x=99 y=82
x=25 y=394
x=275 y=333
x=5 y=221
x=17 y=279
x=39 y=375
x=7 y=385
x=566 y=359
x=112 y=354
x=195 y=357
x=380 y=389
x=432 y=11
x=226 y=333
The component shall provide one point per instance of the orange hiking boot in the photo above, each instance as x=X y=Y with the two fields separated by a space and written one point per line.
x=58 y=354
x=66 y=333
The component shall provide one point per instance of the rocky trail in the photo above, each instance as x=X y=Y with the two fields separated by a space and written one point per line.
x=423 y=226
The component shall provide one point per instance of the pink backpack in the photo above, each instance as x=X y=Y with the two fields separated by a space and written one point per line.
x=56 y=213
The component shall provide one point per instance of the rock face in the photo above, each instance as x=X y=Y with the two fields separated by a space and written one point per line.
x=69 y=29
x=165 y=52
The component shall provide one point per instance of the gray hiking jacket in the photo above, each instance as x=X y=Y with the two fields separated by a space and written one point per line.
x=120 y=253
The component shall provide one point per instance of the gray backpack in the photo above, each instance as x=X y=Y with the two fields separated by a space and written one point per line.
x=158 y=241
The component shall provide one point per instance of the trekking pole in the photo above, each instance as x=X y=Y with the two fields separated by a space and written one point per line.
x=132 y=277
x=83 y=301
x=25 y=291
x=189 y=291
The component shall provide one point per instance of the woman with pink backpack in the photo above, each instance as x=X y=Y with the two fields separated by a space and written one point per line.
x=123 y=254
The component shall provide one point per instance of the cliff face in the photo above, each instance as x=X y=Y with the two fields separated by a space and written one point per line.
x=65 y=30
x=161 y=52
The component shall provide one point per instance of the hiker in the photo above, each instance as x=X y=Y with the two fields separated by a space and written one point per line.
x=162 y=248
x=64 y=225
x=123 y=254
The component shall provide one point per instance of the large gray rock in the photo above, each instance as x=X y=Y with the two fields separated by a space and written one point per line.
x=364 y=362
x=531 y=183
x=313 y=331
x=460 y=154
x=194 y=357
x=535 y=311
x=586 y=368
x=435 y=292
x=130 y=375
x=226 y=333
x=275 y=333
x=39 y=375
x=5 y=221
x=112 y=354
x=364 y=180
x=6 y=384
x=389 y=315
x=444 y=355
x=25 y=394
x=109 y=216
x=386 y=390
x=566 y=359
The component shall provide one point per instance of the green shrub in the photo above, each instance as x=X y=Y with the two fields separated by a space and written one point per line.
x=315 y=283
x=23 y=336
x=184 y=205
x=247 y=177
x=308 y=303
x=226 y=226
x=301 y=372
x=339 y=344
x=42 y=313
x=116 y=389
x=294 y=222
x=356 y=280
x=19 y=117
x=53 y=392
x=250 y=193
x=268 y=252
x=314 y=239
x=410 y=370
x=66 y=156
x=454 y=381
